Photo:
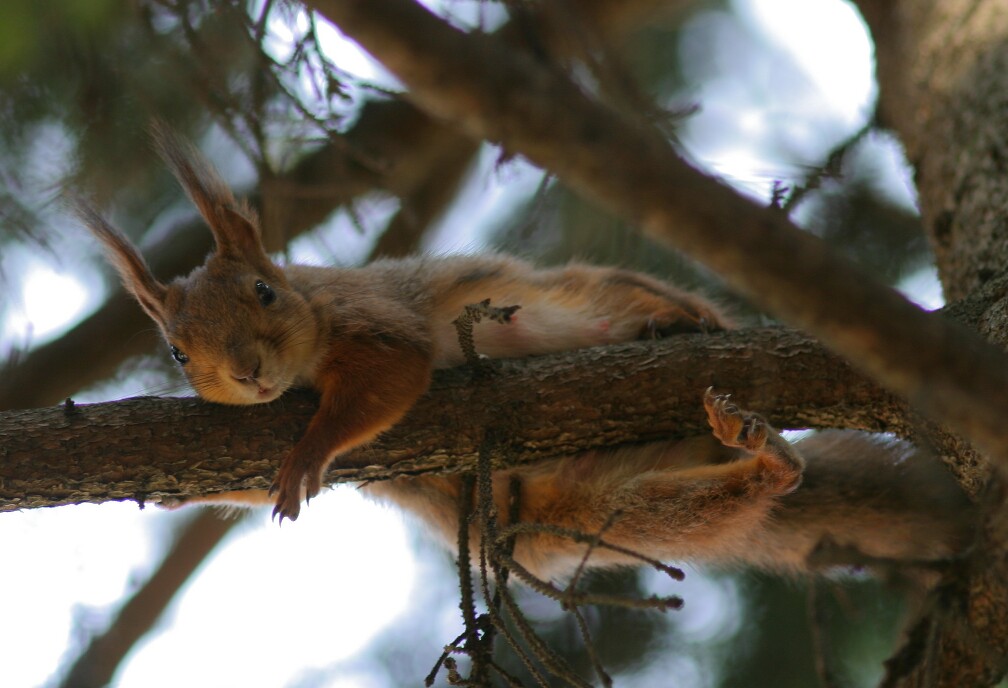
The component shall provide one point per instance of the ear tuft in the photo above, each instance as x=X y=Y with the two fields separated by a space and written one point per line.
x=132 y=268
x=234 y=225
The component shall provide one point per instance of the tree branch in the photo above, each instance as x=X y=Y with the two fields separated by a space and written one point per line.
x=504 y=95
x=941 y=70
x=549 y=406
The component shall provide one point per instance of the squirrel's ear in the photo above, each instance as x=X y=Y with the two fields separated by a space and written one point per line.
x=132 y=269
x=236 y=232
x=234 y=225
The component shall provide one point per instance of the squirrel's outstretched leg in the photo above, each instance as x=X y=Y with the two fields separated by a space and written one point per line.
x=656 y=500
x=366 y=391
x=776 y=460
x=700 y=498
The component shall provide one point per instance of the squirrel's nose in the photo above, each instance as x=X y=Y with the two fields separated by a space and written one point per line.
x=247 y=374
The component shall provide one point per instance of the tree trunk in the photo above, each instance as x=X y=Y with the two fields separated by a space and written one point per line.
x=943 y=77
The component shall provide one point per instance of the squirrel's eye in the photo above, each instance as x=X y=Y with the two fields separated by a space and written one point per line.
x=179 y=356
x=265 y=292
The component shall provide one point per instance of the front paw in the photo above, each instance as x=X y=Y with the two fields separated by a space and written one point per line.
x=300 y=477
x=286 y=489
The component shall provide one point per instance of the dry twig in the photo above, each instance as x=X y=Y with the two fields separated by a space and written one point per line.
x=472 y=314
x=503 y=616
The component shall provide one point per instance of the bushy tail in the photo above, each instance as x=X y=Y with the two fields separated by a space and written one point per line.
x=864 y=499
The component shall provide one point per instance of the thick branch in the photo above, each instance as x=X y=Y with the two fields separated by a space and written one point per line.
x=942 y=80
x=495 y=92
x=549 y=406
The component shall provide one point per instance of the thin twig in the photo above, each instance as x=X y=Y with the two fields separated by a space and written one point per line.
x=557 y=666
x=482 y=656
x=600 y=671
x=592 y=544
x=467 y=602
x=490 y=551
x=584 y=598
x=830 y=169
x=577 y=536
x=448 y=649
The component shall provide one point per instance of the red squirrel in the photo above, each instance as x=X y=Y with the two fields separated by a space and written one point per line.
x=244 y=330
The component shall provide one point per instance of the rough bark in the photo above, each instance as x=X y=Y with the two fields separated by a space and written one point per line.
x=943 y=77
x=943 y=72
x=548 y=406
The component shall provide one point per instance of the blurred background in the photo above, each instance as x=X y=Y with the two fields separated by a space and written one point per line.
x=774 y=96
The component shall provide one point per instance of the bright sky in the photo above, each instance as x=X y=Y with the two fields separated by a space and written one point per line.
x=313 y=593
x=345 y=568
x=48 y=300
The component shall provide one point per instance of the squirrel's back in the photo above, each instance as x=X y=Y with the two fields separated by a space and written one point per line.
x=562 y=308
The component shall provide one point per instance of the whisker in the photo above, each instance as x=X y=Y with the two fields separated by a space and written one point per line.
x=166 y=389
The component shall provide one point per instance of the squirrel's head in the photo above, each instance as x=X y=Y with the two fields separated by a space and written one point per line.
x=238 y=330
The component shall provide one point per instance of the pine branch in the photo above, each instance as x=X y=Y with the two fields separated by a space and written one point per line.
x=147 y=448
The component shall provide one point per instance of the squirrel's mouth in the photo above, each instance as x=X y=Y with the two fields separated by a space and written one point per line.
x=258 y=391
x=258 y=386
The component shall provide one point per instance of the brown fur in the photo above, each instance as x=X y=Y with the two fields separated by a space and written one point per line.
x=368 y=338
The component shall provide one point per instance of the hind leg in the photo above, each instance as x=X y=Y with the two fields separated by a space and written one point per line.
x=639 y=502
x=775 y=457
x=642 y=307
